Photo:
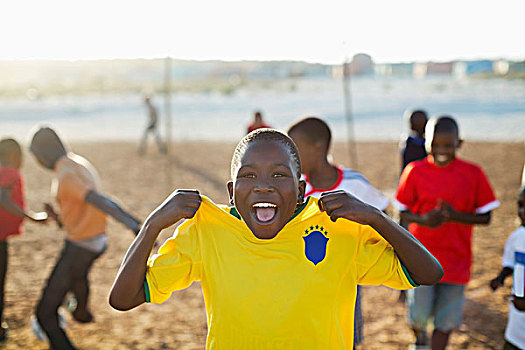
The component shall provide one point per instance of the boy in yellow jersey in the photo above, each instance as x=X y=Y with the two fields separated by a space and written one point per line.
x=277 y=272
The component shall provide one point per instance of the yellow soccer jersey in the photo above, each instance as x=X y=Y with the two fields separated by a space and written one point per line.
x=294 y=291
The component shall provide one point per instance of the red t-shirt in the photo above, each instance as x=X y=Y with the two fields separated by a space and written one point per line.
x=11 y=224
x=465 y=187
x=253 y=127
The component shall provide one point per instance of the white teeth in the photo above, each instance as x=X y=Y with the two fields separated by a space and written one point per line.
x=264 y=205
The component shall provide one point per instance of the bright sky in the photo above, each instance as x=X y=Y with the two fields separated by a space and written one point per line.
x=316 y=31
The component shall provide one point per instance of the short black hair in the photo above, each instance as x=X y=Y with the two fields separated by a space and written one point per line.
x=265 y=134
x=444 y=123
x=315 y=130
x=9 y=146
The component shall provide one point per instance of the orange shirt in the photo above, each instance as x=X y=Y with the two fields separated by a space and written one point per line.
x=75 y=177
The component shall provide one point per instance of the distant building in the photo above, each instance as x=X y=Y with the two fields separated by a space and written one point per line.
x=362 y=64
x=471 y=68
x=394 y=69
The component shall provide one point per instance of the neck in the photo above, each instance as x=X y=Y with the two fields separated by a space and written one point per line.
x=324 y=176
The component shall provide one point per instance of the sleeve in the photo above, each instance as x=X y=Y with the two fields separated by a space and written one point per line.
x=377 y=262
x=485 y=198
x=370 y=195
x=405 y=197
x=71 y=185
x=9 y=177
x=508 y=252
x=177 y=264
x=518 y=278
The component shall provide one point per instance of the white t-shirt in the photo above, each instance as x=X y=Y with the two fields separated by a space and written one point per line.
x=514 y=257
x=353 y=183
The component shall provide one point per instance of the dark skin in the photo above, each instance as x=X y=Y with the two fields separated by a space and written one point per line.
x=443 y=150
x=266 y=174
x=519 y=302
x=321 y=173
x=443 y=147
x=15 y=160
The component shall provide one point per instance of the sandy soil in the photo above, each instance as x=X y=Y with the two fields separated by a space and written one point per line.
x=141 y=183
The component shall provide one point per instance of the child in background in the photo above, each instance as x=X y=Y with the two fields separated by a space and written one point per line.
x=514 y=262
x=257 y=123
x=276 y=272
x=83 y=211
x=313 y=138
x=442 y=197
x=414 y=146
x=12 y=210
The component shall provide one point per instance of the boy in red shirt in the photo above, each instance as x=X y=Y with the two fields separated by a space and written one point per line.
x=12 y=209
x=443 y=197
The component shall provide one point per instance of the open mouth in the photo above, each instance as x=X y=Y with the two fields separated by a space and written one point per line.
x=441 y=158
x=264 y=212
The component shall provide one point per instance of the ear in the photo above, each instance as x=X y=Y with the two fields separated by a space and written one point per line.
x=229 y=185
x=302 y=190
x=460 y=142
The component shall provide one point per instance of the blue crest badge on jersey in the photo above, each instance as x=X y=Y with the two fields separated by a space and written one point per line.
x=315 y=244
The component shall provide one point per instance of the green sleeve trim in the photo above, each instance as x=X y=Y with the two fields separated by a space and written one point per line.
x=146 y=291
x=414 y=284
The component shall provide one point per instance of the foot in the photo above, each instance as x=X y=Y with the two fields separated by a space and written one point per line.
x=82 y=316
x=3 y=332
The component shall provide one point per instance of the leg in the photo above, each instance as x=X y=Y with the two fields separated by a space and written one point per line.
x=57 y=286
x=3 y=272
x=448 y=313
x=144 y=141
x=80 y=287
x=420 y=302
x=358 y=319
x=160 y=144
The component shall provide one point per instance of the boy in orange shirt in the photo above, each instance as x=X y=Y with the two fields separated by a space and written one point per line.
x=12 y=209
x=83 y=212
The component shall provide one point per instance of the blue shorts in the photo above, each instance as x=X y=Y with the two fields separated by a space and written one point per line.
x=443 y=301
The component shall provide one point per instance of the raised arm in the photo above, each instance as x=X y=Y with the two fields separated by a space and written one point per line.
x=127 y=291
x=113 y=209
x=423 y=268
x=11 y=207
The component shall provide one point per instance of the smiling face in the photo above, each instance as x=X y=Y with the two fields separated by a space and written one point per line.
x=266 y=187
x=443 y=148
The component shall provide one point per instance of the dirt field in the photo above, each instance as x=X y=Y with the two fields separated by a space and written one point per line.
x=141 y=183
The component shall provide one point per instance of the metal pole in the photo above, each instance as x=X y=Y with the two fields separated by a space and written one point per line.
x=167 y=102
x=348 y=114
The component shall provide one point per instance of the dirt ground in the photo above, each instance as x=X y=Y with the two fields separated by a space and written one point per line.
x=141 y=183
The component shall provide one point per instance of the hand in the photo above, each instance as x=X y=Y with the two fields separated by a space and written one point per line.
x=181 y=204
x=341 y=204
x=447 y=210
x=496 y=283
x=52 y=214
x=433 y=218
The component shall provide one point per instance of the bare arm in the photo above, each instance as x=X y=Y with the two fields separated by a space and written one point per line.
x=421 y=265
x=450 y=214
x=500 y=279
x=433 y=218
x=127 y=291
x=113 y=209
x=11 y=207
